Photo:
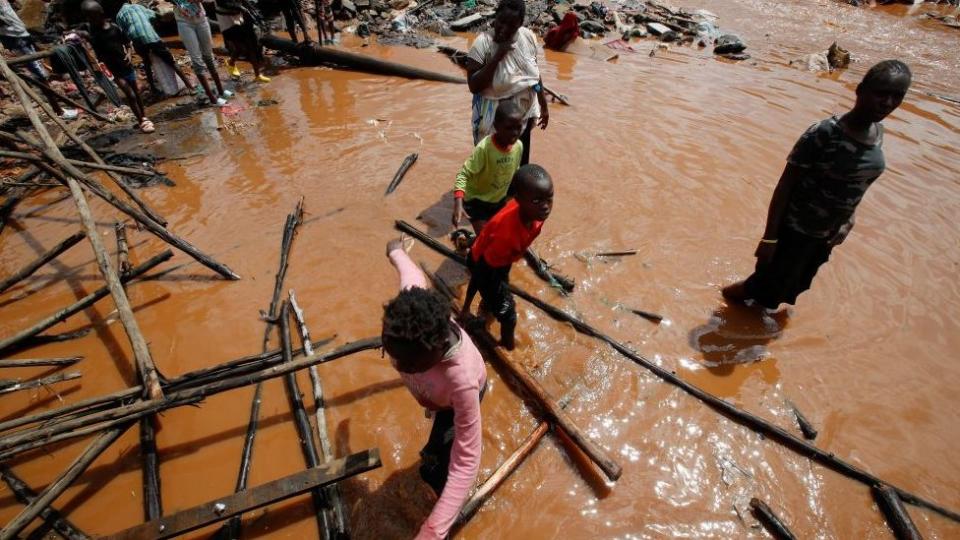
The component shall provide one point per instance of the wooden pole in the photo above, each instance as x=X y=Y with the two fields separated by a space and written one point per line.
x=123 y=249
x=69 y=101
x=65 y=480
x=233 y=505
x=770 y=521
x=34 y=362
x=333 y=493
x=550 y=408
x=401 y=172
x=51 y=516
x=18 y=386
x=147 y=223
x=90 y=152
x=302 y=423
x=26 y=156
x=150 y=471
x=502 y=473
x=48 y=256
x=21 y=441
x=145 y=366
x=231 y=529
x=729 y=410
x=897 y=516
x=80 y=305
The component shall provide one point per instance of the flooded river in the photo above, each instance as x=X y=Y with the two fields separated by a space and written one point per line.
x=674 y=155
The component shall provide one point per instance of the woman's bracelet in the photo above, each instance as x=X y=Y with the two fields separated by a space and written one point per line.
x=768 y=241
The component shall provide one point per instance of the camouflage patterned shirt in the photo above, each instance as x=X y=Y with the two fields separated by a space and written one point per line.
x=837 y=170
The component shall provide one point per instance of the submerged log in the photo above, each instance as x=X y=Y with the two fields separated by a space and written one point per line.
x=770 y=521
x=150 y=470
x=806 y=427
x=51 y=254
x=53 y=518
x=228 y=507
x=729 y=410
x=123 y=250
x=115 y=168
x=401 y=172
x=897 y=516
x=315 y=54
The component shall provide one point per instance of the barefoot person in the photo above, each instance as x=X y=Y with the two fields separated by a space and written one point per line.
x=502 y=65
x=827 y=174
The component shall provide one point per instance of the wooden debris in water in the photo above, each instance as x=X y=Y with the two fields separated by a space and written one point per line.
x=770 y=521
x=9 y=387
x=34 y=362
x=806 y=427
x=48 y=256
x=401 y=172
x=52 y=518
x=895 y=513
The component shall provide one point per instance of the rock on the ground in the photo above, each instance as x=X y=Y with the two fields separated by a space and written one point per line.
x=729 y=44
x=657 y=29
x=594 y=27
x=465 y=23
x=838 y=57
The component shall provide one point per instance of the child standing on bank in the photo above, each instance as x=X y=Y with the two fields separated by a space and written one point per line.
x=480 y=190
x=827 y=175
x=444 y=371
x=503 y=241
x=108 y=40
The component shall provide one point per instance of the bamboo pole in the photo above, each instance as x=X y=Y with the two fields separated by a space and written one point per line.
x=231 y=529
x=34 y=362
x=69 y=476
x=145 y=366
x=26 y=156
x=896 y=514
x=90 y=152
x=123 y=249
x=51 y=516
x=22 y=441
x=147 y=223
x=80 y=305
x=48 y=256
x=733 y=412
x=770 y=521
x=150 y=471
x=19 y=386
x=333 y=493
x=302 y=423
x=503 y=472
x=200 y=377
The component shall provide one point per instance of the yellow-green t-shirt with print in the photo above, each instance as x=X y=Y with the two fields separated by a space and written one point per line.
x=487 y=173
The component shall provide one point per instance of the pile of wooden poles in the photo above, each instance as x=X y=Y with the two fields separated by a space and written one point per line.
x=107 y=417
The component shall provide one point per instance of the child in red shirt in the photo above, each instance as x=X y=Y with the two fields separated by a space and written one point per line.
x=503 y=241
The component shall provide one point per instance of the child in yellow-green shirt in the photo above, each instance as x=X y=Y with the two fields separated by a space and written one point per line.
x=480 y=190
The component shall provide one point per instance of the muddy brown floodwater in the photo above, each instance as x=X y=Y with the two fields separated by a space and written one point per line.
x=675 y=156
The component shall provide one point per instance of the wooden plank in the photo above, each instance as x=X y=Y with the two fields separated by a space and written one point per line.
x=251 y=499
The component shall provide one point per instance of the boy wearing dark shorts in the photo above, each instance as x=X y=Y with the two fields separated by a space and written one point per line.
x=503 y=241
x=480 y=190
x=827 y=174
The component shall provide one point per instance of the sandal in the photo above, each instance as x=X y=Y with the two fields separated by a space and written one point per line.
x=146 y=125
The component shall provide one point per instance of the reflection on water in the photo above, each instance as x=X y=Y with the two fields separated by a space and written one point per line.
x=675 y=156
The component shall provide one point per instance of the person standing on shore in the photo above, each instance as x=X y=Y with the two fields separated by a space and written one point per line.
x=827 y=174
x=194 y=30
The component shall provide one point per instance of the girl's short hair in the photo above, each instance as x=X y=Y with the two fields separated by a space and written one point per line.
x=417 y=318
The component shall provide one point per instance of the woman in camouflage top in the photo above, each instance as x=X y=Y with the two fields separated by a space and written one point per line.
x=827 y=174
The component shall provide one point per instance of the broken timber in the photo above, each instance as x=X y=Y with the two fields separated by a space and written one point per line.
x=315 y=54
x=52 y=517
x=729 y=410
x=897 y=516
x=770 y=521
x=251 y=499
x=51 y=254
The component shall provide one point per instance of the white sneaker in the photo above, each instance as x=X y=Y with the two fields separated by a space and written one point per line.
x=70 y=114
x=221 y=102
x=227 y=94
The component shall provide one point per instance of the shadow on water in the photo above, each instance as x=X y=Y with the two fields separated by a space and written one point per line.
x=736 y=335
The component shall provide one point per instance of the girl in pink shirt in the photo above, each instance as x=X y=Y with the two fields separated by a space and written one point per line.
x=444 y=371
